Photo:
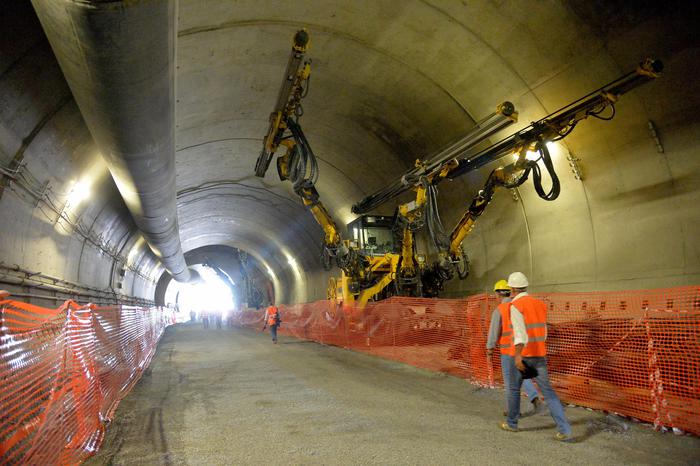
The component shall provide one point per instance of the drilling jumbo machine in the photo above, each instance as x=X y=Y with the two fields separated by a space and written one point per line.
x=380 y=260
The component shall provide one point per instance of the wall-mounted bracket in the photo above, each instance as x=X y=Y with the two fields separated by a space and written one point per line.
x=575 y=166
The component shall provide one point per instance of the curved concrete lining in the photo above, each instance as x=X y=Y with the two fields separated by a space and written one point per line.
x=390 y=82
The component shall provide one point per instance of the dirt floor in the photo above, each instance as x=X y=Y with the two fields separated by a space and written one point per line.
x=230 y=397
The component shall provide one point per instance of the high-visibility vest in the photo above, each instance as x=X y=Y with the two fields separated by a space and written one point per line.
x=534 y=313
x=506 y=340
x=272 y=315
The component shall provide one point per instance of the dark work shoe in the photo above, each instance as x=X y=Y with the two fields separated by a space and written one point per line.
x=507 y=428
x=566 y=438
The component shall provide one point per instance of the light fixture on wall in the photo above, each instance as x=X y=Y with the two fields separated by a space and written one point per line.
x=78 y=193
x=529 y=155
x=134 y=251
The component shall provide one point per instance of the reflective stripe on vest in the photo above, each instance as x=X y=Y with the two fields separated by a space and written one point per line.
x=534 y=313
x=272 y=315
x=506 y=340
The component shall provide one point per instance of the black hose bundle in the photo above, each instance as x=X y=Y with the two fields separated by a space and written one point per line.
x=303 y=167
x=532 y=166
x=553 y=193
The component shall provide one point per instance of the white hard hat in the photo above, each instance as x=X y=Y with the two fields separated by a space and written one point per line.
x=517 y=280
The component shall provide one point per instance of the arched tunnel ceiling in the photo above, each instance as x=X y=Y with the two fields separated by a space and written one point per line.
x=391 y=82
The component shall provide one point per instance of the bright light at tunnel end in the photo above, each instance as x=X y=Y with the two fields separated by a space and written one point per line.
x=211 y=294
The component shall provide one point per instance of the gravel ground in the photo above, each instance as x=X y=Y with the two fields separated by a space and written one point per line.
x=231 y=397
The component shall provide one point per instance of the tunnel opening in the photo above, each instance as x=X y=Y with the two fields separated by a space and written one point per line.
x=230 y=279
x=215 y=292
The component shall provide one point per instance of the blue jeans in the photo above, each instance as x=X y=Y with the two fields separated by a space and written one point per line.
x=273 y=332
x=555 y=407
x=508 y=366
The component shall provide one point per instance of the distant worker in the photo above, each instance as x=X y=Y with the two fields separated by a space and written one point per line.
x=193 y=316
x=273 y=319
x=205 y=318
x=218 y=317
x=505 y=341
x=528 y=319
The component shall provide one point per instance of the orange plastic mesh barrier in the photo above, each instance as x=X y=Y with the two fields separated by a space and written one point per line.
x=63 y=373
x=635 y=353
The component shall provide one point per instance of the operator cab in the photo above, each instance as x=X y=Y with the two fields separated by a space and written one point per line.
x=373 y=234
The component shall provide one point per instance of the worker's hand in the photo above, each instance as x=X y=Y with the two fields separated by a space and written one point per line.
x=519 y=363
x=489 y=351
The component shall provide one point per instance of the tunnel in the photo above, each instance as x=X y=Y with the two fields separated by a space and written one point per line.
x=370 y=169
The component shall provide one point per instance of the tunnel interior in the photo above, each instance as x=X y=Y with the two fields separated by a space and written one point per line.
x=230 y=279
x=132 y=135
x=390 y=83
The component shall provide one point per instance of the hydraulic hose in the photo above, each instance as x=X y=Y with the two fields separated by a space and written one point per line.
x=435 y=227
x=303 y=166
x=553 y=193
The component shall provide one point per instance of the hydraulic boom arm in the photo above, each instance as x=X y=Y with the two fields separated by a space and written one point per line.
x=298 y=164
x=535 y=138
x=532 y=139
x=288 y=100
x=561 y=123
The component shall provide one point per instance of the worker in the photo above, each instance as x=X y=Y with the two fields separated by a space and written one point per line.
x=528 y=320
x=273 y=319
x=505 y=341
x=205 y=318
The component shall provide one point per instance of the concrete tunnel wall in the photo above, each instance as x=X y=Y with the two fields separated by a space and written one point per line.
x=391 y=81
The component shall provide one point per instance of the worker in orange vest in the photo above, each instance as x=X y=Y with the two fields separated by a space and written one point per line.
x=527 y=319
x=504 y=338
x=273 y=319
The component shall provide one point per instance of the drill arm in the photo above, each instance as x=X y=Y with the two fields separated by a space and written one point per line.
x=288 y=102
x=298 y=164
x=558 y=125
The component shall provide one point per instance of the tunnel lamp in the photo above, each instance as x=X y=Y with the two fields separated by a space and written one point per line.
x=134 y=251
x=529 y=155
x=534 y=156
x=79 y=193
x=557 y=150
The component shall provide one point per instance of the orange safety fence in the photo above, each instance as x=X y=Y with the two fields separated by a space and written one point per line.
x=635 y=353
x=63 y=373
